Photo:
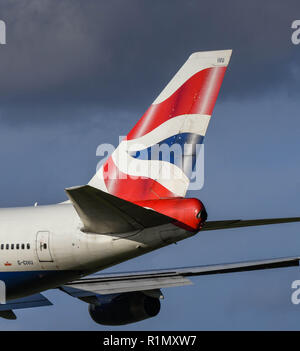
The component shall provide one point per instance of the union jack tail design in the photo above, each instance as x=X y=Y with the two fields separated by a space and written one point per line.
x=147 y=165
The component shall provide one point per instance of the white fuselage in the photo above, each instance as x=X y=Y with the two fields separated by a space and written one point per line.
x=43 y=247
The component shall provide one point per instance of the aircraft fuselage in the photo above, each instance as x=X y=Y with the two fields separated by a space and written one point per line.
x=44 y=247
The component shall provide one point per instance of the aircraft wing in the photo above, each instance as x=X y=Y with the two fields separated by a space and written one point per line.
x=104 y=213
x=36 y=300
x=238 y=223
x=156 y=279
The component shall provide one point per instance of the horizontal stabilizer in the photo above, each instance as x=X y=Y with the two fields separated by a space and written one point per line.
x=238 y=223
x=103 y=213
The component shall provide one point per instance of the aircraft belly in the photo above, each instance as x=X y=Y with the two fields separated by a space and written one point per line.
x=19 y=284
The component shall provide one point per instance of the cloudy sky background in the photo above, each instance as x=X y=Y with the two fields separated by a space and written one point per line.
x=75 y=74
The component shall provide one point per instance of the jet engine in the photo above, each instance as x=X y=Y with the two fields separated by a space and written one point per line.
x=125 y=308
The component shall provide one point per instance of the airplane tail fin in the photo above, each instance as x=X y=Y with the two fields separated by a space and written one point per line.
x=157 y=157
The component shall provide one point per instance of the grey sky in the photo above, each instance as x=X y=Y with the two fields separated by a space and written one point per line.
x=121 y=53
x=75 y=74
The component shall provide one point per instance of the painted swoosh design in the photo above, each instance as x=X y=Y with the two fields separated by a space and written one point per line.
x=194 y=123
x=179 y=117
x=181 y=151
x=196 y=96
x=132 y=188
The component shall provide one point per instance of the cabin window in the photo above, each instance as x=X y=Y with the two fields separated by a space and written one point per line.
x=17 y=246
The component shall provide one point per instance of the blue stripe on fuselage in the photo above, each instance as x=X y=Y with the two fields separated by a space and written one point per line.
x=23 y=283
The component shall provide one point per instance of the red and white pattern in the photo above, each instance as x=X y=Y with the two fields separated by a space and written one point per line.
x=184 y=106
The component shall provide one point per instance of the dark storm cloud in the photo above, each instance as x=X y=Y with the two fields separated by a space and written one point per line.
x=120 y=54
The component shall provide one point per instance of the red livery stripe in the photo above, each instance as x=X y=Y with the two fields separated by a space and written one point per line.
x=197 y=95
x=132 y=188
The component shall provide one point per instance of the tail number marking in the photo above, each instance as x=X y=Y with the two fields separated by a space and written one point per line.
x=25 y=263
